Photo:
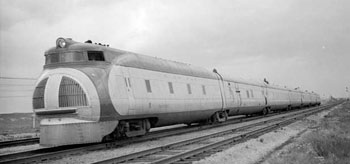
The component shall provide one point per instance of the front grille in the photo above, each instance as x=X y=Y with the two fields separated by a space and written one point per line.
x=38 y=96
x=71 y=93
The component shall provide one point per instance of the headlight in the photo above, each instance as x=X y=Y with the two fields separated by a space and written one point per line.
x=61 y=43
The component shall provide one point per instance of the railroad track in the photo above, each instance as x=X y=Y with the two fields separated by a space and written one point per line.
x=26 y=141
x=198 y=148
x=46 y=154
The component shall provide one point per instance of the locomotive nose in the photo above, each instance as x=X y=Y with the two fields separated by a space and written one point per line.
x=68 y=105
x=64 y=91
x=71 y=96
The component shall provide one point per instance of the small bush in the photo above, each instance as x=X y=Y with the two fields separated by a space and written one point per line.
x=328 y=143
x=331 y=145
x=332 y=141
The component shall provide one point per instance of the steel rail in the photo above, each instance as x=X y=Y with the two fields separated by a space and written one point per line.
x=26 y=141
x=178 y=154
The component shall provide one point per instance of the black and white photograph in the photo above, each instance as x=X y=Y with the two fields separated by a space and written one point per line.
x=175 y=81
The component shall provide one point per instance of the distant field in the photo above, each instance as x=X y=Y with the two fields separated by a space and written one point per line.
x=15 y=123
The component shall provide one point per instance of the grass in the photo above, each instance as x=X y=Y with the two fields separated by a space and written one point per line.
x=332 y=139
x=329 y=143
x=16 y=123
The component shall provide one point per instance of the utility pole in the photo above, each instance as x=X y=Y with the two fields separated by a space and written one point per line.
x=347 y=90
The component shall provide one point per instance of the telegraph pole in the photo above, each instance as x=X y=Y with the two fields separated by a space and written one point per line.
x=347 y=90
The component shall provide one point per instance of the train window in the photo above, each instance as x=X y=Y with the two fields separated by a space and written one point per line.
x=39 y=93
x=148 y=86
x=52 y=58
x=171 y=89
x=47 y=59
x=251 y=93
x=129 y=82
x=71 y=57
x=126 y=83
x=64 y=57
x=96 y=56
x=203 y=88
x=189 y=89
x=247 y=93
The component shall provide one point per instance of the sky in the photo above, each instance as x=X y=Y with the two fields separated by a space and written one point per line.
x=294 y=43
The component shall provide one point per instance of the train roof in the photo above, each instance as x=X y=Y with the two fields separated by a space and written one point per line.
x=257 y=83
x=157 y=64
x=134 y=60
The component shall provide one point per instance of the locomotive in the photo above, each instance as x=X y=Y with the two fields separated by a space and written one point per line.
x=90 y=93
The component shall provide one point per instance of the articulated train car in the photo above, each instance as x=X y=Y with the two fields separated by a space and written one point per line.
x=90 y=93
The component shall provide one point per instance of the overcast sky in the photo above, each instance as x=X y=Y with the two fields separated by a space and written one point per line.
x=297 y=43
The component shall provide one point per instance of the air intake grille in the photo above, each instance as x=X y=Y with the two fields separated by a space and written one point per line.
x=38 y=96
x=71 y=94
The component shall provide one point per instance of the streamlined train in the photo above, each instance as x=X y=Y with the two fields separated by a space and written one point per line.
x=91 y=93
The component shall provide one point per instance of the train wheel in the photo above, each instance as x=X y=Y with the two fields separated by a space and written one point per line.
x=220 y=116
x=265 y=111
x=268 y=110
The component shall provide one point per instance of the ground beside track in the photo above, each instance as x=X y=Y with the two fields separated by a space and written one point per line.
x=326 y=142
x=17 y=126
x=320 y=138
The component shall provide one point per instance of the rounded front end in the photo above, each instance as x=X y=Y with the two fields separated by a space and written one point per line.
x=68 y=105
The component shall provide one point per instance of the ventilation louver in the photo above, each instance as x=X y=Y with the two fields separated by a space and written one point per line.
x=38 y=96
x=71 y=93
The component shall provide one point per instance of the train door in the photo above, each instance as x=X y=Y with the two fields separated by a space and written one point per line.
x=238 y=95
x=302 y=98
x=128 y=84
x=230 y=95
x=222 y=90
x=290 y=97
x=265 y=93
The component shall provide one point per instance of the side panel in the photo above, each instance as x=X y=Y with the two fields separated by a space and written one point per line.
x=278 y=98
x=251 y=99
x=118 y=90
x=129 y=90
x=223 y=91
x=231 y=99
x=295 y=99
x=187 y=92
x=147 y=93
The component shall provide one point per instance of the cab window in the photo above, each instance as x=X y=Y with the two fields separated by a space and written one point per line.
x=71 y=57
x=95 y=56
x=64 y=57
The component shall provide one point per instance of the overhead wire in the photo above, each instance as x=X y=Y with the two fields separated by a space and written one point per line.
x=17 y=78
x=13 y=96
x=10 y=88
